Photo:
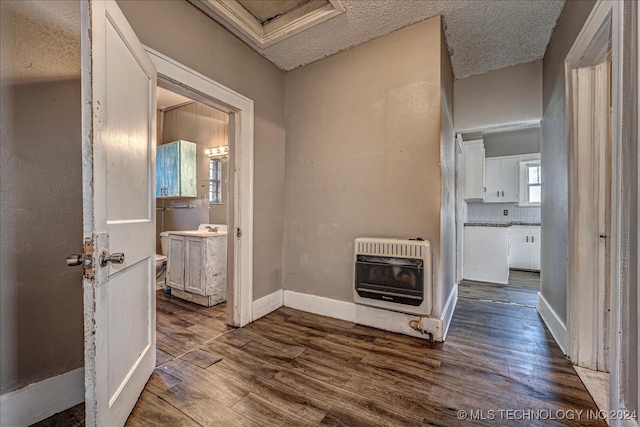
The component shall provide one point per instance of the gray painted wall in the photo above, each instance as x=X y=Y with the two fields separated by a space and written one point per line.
x=553 y=277
x=363 y=157
x=41 y=320
x=512 y=143
x=180 y=31
x=499 y=98
x=448 y=180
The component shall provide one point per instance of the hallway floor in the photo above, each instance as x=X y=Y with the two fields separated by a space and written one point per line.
x=293 y=368
x=522 y=289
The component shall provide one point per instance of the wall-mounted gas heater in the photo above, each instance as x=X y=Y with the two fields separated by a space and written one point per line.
x=394 y=274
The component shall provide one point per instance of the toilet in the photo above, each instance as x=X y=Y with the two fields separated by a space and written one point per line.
x=161 y=261
x=161 y=270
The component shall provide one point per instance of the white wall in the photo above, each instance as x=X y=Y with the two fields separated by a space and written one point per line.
x=499 y=98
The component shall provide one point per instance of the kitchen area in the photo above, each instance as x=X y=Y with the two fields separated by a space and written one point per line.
x=500 y=181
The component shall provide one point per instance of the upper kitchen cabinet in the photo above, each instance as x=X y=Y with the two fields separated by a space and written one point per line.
x=474 y=173
x=501 y=174
x=176 y=169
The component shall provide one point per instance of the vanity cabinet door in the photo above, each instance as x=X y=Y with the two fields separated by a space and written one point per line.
x=195 y=279
x=175 y=262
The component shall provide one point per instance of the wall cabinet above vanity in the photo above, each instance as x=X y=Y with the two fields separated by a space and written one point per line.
x=176 y=169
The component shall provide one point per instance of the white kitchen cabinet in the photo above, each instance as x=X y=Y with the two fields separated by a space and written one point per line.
x=197 y=267
x=524 y=247
x=501 y=180
x=474 y=171
x=486 y=254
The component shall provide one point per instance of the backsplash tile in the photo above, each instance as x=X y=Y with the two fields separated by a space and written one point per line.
x=493 y=212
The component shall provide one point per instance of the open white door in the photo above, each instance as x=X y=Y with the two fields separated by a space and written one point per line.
x=118 y=154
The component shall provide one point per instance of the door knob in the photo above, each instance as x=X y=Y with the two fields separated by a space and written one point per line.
x=78 y=259
x=105 y=258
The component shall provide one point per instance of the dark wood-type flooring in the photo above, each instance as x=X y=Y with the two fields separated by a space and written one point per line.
x=292 y=368
x=522 y=289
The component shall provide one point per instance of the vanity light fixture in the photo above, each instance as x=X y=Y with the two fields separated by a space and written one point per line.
x=221 y=151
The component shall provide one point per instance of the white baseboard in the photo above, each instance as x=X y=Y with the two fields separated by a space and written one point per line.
x=369 y=316
x=553 y=322
x=43 y=399
x=266 y=304
x=320 y=305
x=449 y=308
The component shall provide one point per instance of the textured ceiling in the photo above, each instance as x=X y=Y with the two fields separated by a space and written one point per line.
x=482 y=35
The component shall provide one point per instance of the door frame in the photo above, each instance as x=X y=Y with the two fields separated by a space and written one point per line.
x=622 y=169
x=588 y=295
x=241 y=166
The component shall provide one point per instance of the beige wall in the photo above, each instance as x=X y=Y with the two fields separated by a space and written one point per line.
x=41 y=320
x=499 y=98
x=183 y=33
x=363 y=156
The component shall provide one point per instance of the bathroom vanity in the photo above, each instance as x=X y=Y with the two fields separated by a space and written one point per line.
x=197 y=266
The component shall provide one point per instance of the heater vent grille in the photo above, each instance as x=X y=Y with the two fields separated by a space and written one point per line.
x=394 y=274
x=400 y=249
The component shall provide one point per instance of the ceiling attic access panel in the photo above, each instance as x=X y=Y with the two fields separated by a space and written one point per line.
x=266 y=22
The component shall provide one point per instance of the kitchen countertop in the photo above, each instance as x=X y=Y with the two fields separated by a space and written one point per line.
x=500 y=224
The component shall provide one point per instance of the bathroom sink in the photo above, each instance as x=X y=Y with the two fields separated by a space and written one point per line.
x=198 y=233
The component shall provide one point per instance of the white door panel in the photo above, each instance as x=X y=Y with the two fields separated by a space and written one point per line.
x=118 y=98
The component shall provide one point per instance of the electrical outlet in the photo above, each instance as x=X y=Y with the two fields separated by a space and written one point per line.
x=505 y=212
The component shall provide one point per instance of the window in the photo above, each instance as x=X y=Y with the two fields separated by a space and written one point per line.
x=215 y=180
x=530 y=183
x=534 y=183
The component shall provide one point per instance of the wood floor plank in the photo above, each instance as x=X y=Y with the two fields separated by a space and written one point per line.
x=162 y=357
x=208 y=383
x=153 y=411
x=161 y=381
x=201 y=358
x=202 y=408
x=172 y=346
x=261 y=411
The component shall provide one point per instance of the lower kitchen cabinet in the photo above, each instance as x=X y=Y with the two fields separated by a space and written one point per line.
x=486 y=254
x=524 y=250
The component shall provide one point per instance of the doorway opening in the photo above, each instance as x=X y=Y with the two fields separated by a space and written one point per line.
x=499 y=182
x=192 y=201
x=183 y=81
